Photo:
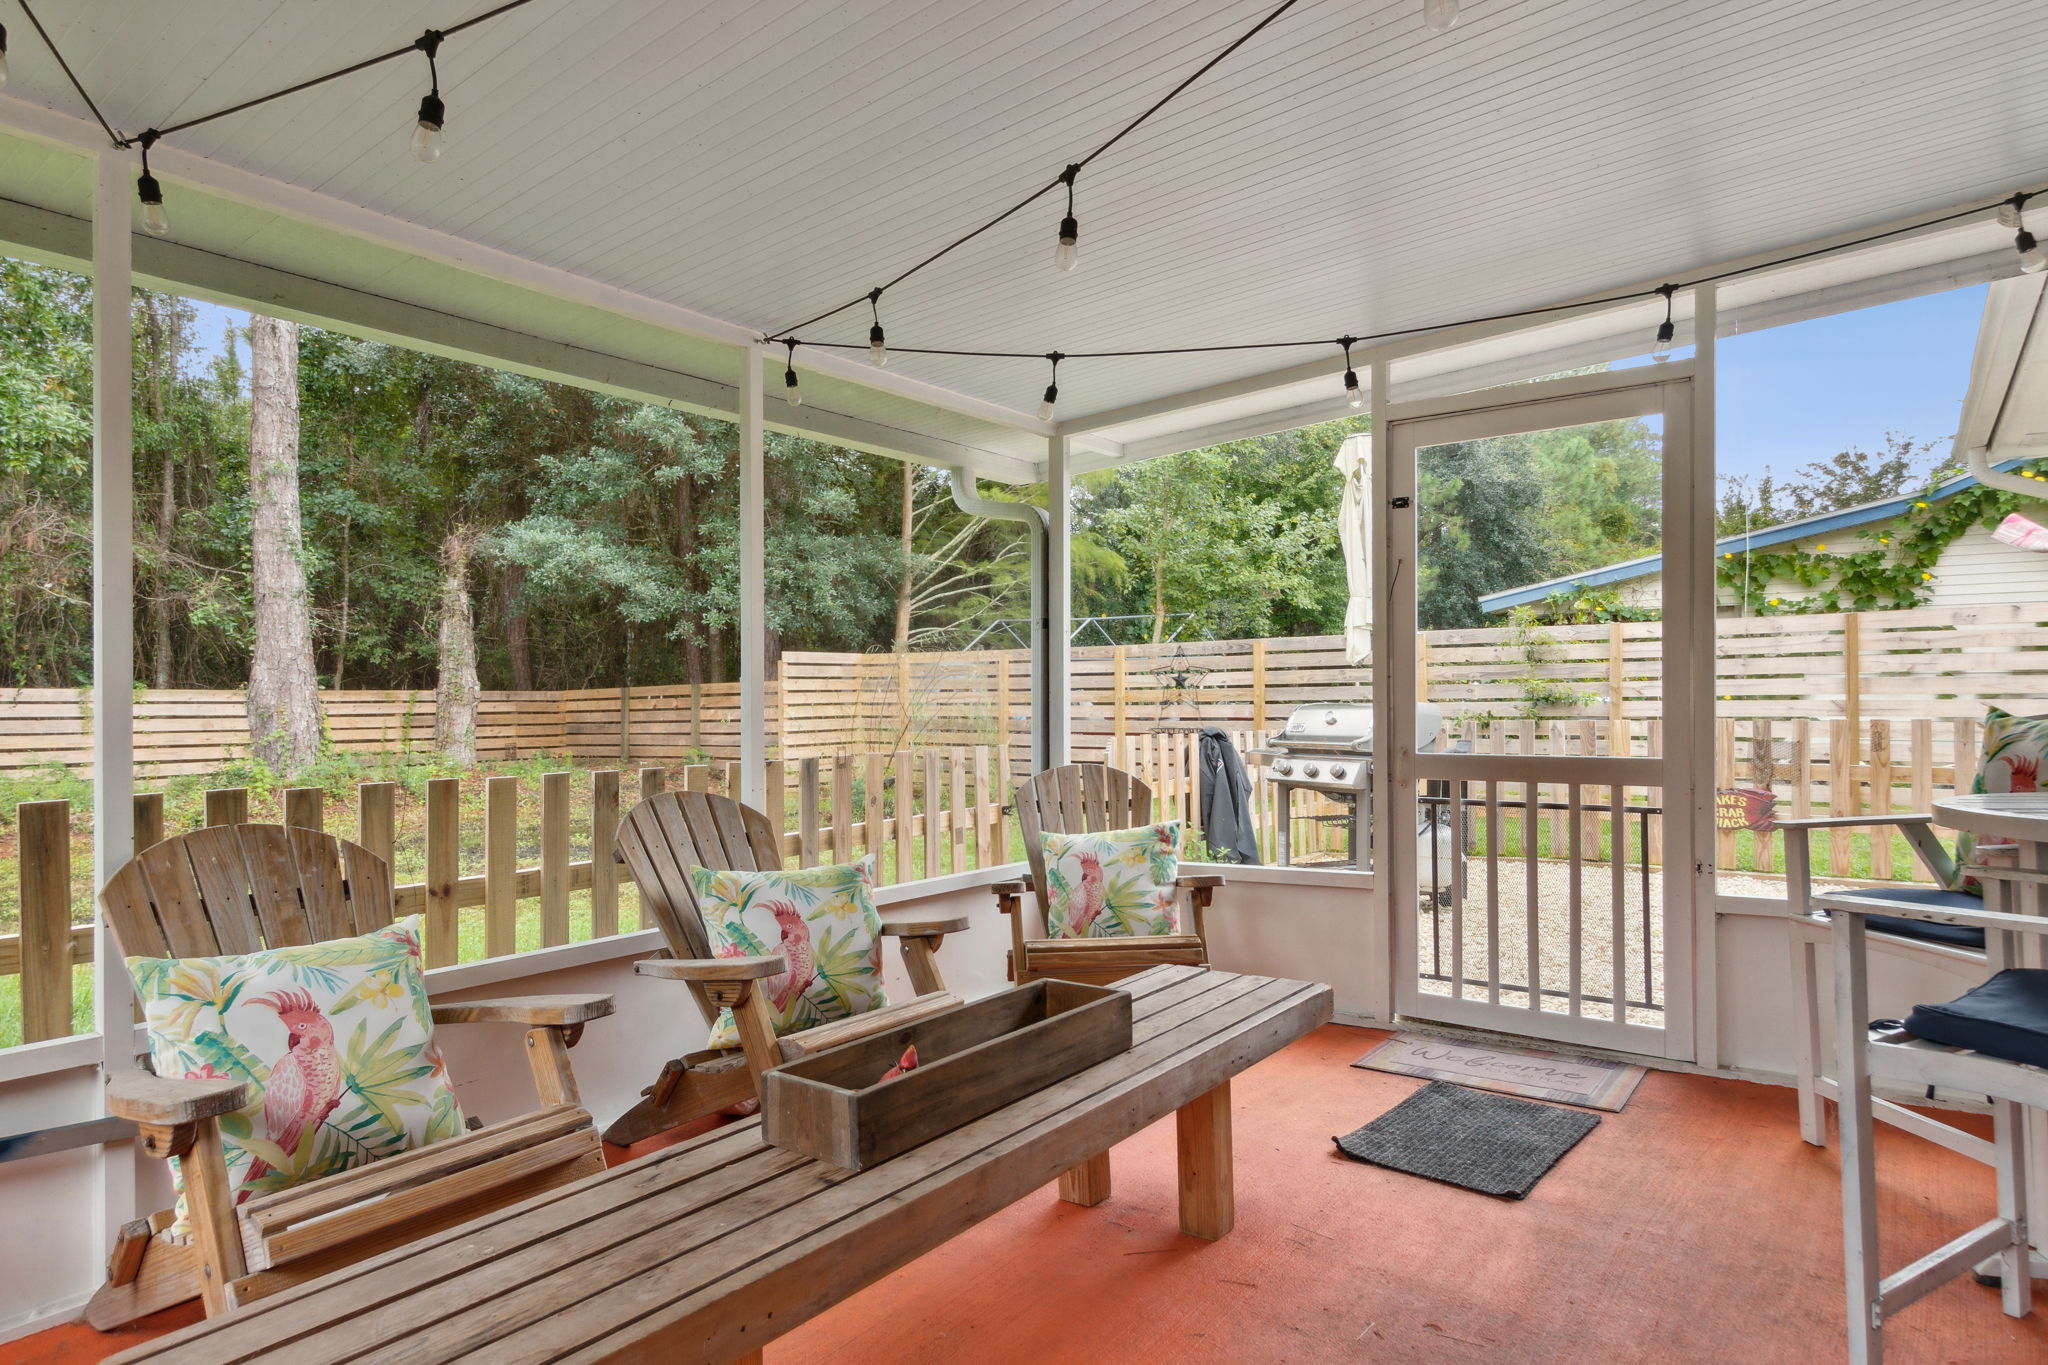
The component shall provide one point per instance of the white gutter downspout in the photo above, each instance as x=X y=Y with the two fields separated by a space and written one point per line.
x=970 y=501
x=1979 y=462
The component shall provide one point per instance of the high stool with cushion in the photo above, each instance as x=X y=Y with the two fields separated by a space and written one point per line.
x=1894 y=920
x=1991 y=1041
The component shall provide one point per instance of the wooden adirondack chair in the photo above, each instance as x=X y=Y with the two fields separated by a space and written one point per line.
x=241 y=888
x=1087 y=798
x=659 y=841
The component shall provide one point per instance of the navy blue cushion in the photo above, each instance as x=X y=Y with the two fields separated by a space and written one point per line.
x=1929 y=897
x=2005 y=1017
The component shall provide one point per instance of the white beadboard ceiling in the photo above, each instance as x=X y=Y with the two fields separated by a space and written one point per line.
x=1347 y=170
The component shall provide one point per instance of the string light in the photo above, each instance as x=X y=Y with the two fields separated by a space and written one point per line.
x=154 y=220
x=426 y=134
x=2033 y=260
x=1068 y=251
x=878 y=345
x=1667 y=331
x=3 y=56
x=1440 y=15
x=1052 y=390
x=791 y=394
x=1352 y=391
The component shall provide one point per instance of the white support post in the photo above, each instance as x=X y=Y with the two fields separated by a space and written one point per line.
x=113 y=639
x=1056 y=633
x=753 y=590
x=1698 y=613
x=1387 y=562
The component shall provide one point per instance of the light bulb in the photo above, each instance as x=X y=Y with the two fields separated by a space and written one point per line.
x=426 y=134
x=1351 y=389
x=878 y=350
x=1667 y=332
x=2033 y=260
x=154 y=220
x=791 y=394
x=1440 y=15
x=1052 y=396
x=1068 y=251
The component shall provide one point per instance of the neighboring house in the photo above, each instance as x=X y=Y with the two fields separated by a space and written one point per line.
x=1973 y=571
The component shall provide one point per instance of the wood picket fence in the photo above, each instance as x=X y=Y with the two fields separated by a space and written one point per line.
x=920 y=813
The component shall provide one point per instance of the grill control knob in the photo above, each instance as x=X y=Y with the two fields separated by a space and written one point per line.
x=1311 y=770
x=1337 y=772
x=1283 y=767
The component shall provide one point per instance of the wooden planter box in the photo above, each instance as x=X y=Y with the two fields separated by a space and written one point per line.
x=972 y=1060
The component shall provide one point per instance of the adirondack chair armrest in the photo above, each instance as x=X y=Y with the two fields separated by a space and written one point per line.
x=713 y=970
x=1202 y=880
x=535 y=1011
x=1007 y=892
x=924 y=928
x=164 y=1104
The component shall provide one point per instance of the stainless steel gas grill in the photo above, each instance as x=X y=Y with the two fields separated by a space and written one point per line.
x=1328 y=750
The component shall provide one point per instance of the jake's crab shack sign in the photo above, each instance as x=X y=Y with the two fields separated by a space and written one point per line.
x=1745 y=808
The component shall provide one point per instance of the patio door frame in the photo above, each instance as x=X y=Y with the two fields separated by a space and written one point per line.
x=1667 y=390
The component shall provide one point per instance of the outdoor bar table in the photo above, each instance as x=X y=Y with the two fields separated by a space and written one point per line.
x=711 y=1249
x=2020 y=818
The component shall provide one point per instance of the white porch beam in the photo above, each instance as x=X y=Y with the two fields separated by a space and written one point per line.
x=753 y=588
x=58 y=239
x=1054 y=655
x=113 y=641
x=246 y=187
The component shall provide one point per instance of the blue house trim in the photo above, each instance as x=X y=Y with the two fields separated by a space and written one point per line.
x=1847 y=518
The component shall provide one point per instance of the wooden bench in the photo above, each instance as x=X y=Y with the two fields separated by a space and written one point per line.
x=709 y=1250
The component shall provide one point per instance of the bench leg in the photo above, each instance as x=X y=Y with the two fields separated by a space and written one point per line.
x=1088 y=1183
x=1208 y=1202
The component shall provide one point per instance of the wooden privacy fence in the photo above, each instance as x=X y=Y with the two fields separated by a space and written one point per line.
x=1945 y=663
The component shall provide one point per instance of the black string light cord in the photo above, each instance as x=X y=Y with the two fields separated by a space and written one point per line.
x=124 y=142
x=430 y=42
x=1064 y=178
x=1662 y=291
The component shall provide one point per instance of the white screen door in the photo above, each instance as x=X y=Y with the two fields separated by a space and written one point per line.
x=1533 y=897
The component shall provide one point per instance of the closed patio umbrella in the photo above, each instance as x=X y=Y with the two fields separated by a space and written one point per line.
x=1354 y=462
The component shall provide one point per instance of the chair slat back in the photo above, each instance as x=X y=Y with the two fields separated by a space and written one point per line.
x=242 y=888
x=663 y=837
x=1080 y=798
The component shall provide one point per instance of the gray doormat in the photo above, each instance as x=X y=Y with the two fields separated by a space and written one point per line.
x=1489 y=1143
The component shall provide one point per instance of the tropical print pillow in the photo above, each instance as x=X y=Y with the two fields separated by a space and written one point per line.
x=823 y=922
x=1114 y=884
x=334 y=1038
x=2014 y=749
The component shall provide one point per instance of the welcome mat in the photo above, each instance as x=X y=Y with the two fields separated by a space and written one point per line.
x=1562 y=1077
x=1488 y=1143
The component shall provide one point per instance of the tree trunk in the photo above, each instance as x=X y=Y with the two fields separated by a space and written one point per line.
x=1159 y=602
x=455 y=692
x=518 y=628
x=284 y=691
x=908 y=583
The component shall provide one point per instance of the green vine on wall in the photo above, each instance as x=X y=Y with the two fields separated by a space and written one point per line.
x=1895 y=572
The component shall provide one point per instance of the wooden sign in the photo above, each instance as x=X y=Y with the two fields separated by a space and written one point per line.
x=1745 y=808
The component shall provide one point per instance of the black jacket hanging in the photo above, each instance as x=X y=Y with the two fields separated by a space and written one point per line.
x=1226 y=799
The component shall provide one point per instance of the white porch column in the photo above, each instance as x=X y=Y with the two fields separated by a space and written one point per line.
x=113 y=637
x=1698 y=616
x=1054 y=649
x=753 y=591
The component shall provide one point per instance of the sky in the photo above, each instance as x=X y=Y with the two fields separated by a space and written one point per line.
x=1802 y=392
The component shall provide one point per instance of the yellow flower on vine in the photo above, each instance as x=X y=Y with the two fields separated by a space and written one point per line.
x=1774 y=601
x=1925 y=575
x=1919 y=504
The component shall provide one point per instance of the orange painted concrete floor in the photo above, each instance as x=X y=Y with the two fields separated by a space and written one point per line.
x=1693 y=1226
